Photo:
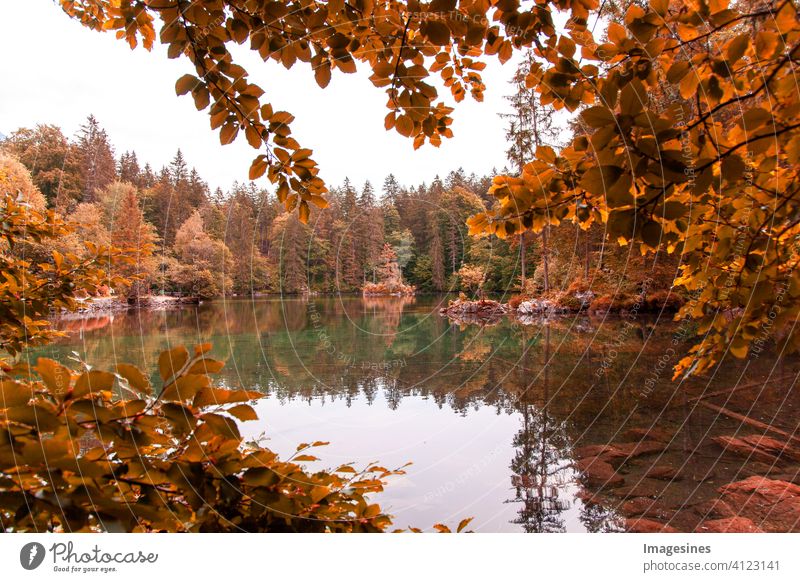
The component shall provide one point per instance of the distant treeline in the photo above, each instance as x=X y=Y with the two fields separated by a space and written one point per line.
x=204 y=243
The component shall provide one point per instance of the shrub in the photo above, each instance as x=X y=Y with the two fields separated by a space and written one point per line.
x=77 y=455
x=515 y=300
x=569 y=302
x=663 y=300
x=601 y=304
x=386 y=289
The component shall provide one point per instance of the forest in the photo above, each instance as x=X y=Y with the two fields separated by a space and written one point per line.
x=192 y=241
x=674 y=186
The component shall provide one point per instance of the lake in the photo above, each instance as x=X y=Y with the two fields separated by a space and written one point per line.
x=498 y=421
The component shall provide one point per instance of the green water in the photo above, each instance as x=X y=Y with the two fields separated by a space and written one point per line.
x=490 y=417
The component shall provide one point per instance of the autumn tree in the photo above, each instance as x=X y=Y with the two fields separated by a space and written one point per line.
x=129 y=230
x=203 y=267
x=16 y=180
x=89 y=222
x=32 y=289
x=53 y=162
x=471 y=278
x=389 y=275
x=706 y=172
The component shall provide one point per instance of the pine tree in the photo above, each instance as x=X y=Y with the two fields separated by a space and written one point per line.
x=249 y=271
x=369 y=232
x=287 y=252
x=128 y=169
x=178 y=171
x=148 y=178
x=391 y=189
x=98 y=164
x=530 y=126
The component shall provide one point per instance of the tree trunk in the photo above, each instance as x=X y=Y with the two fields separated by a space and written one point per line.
x=545 y=260
x=587 y=252
x=522 y=259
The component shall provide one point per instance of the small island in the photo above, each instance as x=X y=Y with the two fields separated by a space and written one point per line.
x=390 y=277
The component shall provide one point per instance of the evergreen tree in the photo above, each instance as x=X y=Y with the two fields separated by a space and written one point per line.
x=370 y=232
x=98 y=164
x=178 y=171
x=437 y=260
x=530 y=125
x=148 y=178
x=128 y=169
x=391 y=189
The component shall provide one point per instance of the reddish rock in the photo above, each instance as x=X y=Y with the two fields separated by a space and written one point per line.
x=617 y=453
x=589 y=498
x=633 y=450
x=646 y=507
x=759 y=447
x=591 y=451
x=598 y=473
x=781 y=449
x=607 y=453
x=790 y=477
x=774 y=505
x=643 y=525
x=713 y=509
x=757 y=468
x=663 y=472
x=728 y=525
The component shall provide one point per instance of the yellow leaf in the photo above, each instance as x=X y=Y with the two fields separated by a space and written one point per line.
x=55 y=376
x=186 y=84
x=92 y=381
x=243 y=412
x=171 y=361
x=14 y=394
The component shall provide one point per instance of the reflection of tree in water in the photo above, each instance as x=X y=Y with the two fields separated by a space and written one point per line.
x=540 y=470
x=597 y=518
x=383 y=316
x=541 y=466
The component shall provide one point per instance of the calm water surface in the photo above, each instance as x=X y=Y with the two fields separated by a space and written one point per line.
x=492 y=418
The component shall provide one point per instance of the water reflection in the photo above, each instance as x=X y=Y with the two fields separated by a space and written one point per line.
x=497 y=419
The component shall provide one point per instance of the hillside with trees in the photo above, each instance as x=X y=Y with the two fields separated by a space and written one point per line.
x=191 y=241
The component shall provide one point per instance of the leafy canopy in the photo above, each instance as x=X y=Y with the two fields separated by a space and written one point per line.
x=92 y=450
x=36 y=279
x=691 y=142
x=404 y=44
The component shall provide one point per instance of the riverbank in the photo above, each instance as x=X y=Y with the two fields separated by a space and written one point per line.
x=487 y=311
x=108 y=305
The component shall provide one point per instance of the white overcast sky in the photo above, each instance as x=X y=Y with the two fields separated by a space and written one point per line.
x=55 y=71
